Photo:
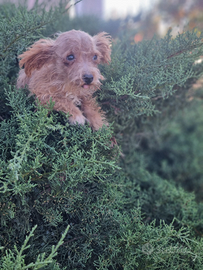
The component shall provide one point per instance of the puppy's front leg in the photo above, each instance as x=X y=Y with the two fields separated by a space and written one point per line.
x=68 y=106
x=93 y=113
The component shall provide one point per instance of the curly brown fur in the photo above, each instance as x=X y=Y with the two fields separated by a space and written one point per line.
x=66 y=71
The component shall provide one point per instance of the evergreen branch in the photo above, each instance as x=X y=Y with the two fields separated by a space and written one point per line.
x=186 y=50
x=20 y=36
x=18 y=261
x=16 y=38
x=55 y=248
x=171 y=56
x=23 y=248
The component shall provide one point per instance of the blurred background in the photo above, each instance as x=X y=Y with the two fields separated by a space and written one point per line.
x=147 y=16
x=144 y=17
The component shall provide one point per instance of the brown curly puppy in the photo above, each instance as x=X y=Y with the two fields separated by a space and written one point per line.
x=65 y=70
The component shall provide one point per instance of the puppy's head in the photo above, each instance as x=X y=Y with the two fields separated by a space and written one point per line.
x=73 y=58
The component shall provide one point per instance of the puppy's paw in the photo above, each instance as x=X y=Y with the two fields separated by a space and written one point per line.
x=96 y=125
x=78 y=119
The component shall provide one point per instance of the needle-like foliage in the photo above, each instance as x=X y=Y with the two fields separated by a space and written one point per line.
x=107 y=207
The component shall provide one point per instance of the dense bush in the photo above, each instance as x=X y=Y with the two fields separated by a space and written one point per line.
x=123 y=208
x=179 y=156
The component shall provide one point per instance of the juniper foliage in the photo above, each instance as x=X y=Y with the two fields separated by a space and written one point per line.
x=178 y=155
x=16 y=261
x=142 y=76
x=121 y=214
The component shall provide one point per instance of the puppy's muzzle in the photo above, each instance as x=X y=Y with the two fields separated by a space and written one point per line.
x=87 y=78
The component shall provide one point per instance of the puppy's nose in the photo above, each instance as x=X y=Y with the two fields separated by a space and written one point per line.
x=88 y=78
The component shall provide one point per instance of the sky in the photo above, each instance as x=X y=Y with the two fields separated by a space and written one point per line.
x=122 y=8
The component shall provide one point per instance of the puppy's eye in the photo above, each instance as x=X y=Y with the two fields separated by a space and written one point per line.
x=70 y=57
x=95 y=57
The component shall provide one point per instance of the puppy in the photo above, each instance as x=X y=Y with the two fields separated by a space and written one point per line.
x=66 y=71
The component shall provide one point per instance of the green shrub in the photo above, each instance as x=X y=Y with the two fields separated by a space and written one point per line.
x=178 y=156
x=121 y=212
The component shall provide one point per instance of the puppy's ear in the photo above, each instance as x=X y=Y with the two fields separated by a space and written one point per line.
x=103 y=42
x=39 y=54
